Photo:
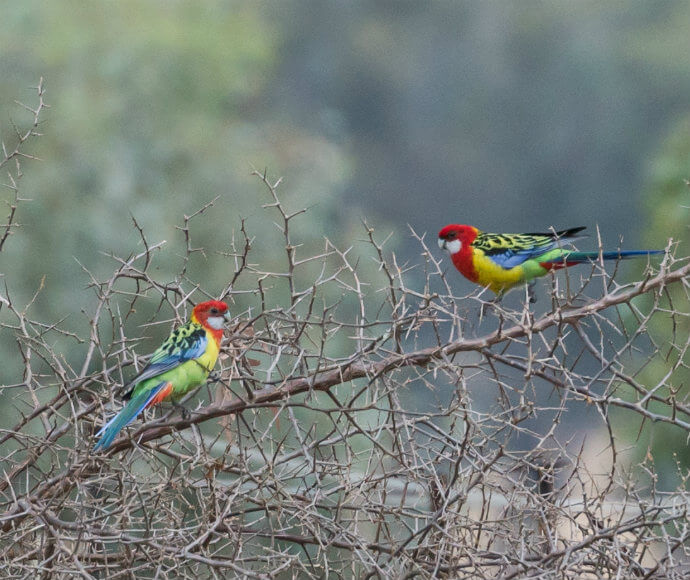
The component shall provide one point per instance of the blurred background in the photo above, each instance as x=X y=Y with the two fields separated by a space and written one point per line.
x=508 y=116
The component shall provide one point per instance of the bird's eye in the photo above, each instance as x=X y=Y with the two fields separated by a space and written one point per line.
x=451 y=235
x=214 y=311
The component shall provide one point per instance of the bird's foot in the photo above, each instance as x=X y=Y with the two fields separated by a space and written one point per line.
x=214 y=376
x=482 y=310
x=532 y=292
x=186 y=414
x=489 y=305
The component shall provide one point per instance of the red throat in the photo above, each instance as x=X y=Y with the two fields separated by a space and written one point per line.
x=463 y=260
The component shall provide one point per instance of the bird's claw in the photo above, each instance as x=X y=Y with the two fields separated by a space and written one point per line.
x=186 y=414
x=488 y=306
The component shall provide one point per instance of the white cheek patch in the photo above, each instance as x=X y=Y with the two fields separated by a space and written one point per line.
x=453 y=247
x=216 y=322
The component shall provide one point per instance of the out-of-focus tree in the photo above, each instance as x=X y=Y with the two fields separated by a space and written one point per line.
x=156 y=109
x=516 y=115
x=667 y=205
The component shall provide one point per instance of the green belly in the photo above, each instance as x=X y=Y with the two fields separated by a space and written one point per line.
x=184 y=378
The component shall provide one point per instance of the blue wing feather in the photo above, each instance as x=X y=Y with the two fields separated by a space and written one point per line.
x=511 y=258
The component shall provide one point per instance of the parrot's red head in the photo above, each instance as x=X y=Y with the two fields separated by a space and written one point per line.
x=212 y=314
x=454 y=237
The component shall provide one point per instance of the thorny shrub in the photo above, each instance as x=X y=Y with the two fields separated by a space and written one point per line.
x=363 y=422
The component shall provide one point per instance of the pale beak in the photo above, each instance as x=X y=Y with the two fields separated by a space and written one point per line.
x=442 y=243
x=227 y=316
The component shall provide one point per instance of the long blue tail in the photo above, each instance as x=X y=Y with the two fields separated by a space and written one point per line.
x=580 y=257
x=134 y=406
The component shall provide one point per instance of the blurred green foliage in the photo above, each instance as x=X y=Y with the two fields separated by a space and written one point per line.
x=155 y=110
x=667 y=203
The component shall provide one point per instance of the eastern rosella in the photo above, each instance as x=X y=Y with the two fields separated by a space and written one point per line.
x=502 y=261
x=182 y=363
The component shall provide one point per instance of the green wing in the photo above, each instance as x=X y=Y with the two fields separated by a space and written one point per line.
x=510 y=250
x=185 y=343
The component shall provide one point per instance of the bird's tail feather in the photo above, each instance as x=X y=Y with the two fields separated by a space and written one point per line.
x=569 y=235
x=572 y=233
x=134 y=406
x=573 y=258
x=578 y=257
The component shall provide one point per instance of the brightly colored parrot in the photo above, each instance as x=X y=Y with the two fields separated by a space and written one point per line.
x=502 y=261
x=182 y=363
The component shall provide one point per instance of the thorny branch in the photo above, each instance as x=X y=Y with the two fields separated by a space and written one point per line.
x=16 y=155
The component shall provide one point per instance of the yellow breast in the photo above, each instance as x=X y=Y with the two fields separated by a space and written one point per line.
x=209 y=358
x=493 y=276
